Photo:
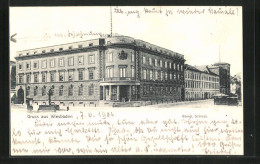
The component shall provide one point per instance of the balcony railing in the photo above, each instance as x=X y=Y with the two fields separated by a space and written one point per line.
x=119 y=78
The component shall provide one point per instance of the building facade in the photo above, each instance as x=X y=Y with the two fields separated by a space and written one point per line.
x=105 y=69
x=200 y=83
x=223 y=70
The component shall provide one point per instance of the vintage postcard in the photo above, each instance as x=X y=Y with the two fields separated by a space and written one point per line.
x=126 y=80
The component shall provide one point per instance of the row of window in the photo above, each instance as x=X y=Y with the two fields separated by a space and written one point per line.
x=156 y=63
x=197 y=84
x=159 y=90
x=160 y=75
x=201 y=77
x=71 y=88
x=52 y=50
x=53 y=74
x=61 y=63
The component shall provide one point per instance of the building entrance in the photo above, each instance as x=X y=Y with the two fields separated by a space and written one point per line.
x=20 y=97
x=124 y=93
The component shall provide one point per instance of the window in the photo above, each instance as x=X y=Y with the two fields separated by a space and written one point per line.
x=28 y=66
x=161 y=75
x=28 y=78
x=122 y=71
x=91 y=74
x=43 y=77
x=174 y=76
x=70 y=93
x=144 y=90
x=71 y=75
x=52 y=74
x=35 y=65
x=80 y=46
x=150 y=61
x=52 y=63
x=81 y=60
x=70 y=47
x=20 y=66
x=20 y=78
x=155 y=62
x=27 y=53
x=44 y=64
x=166 y=75
x=61 y=62
x=80 y=74
x=71 y=61
x=43 y=90
x=28 y=91
x=144 y=58
x=90 y=44
x=181 y=67
x=110 y=57
x=170 y=76
x=91 y=59
x=178 y=67
x=133 y=71
x=151 y=74
x=156 y=75
x=132 y=57
x=20 y=54
x=91 y=90
x=35 y=52
x=166 y=64
x=161 y=63
x=109 y=72
x=61 y=90
x=170 y=65
x=35 y=91
x=80 y=90
x=61 y=76
x=36 y=77
x=43 y=51
x=52 y=50
x=60 y=49
x=144 y=74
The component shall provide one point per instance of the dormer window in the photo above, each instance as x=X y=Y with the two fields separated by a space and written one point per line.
x=52 y=50
x=43 y=51
x=35 y=52
x=90 y=44
x=60 y=49
x=27 y=53
x=70 y=47
x=20 y=54
x=80 y=46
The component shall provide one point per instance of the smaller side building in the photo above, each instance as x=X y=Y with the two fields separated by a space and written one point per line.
x=200 y=83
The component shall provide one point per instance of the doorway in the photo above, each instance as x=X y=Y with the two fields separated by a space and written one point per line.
x=124 y=93
x=20 y=98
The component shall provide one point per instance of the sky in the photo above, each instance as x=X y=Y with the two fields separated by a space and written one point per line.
x=204 y=35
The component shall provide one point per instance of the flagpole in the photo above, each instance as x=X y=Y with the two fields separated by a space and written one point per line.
x=111 y=20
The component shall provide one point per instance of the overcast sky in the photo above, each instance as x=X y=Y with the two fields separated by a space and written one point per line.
x=199 y=37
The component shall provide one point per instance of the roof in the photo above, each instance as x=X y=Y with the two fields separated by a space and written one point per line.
x=220 y=63
x=202 y=68
x=189 y=67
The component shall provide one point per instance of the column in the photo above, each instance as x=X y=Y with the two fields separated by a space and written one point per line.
x=130 y=92
x=104 y=92
x=117 y=92
x=110 y=92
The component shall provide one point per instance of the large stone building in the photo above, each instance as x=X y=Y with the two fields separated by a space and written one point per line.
x=105 y=69
x=200 y=83
x=223 y=70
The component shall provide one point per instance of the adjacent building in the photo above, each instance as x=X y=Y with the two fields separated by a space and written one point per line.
x=200 y=83
x=106 y=69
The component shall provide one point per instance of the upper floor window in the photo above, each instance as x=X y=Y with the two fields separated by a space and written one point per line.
x=132 y=57
x=80 y=74
x=91 y=59
x=91 y=74
x=61 y=76
x=166 y=75
x=52 y=50
x=161 y=75
x=122 y=72
x=60 y=49
x=70 y=93
x=28 y=66
x=44 y=64
x=28 y=78
x=52 y=76
x=155 y=62
x=81 y=60
x=35 y=52
x=36 y=77
x=110 y=57
x=70 y=47
x=170 y=76
x=109 y=72
x=44 y=90
x=178 y=67
x=181 y=67
x=170 y=65
x=150 y=61
x=35 y=92
x=27 y=53
x=43 y=77
x=144 y=59
x=166 y=64
x=35 y=65
x=61 y=62
x=144 y=74
x=71 y=74
x=61 y=90
x=21 y=78
x=43 y=51
x=20 y=66
x=156 y=75
x=90 y=44
x=91 y=90
x=161 y=65
x=133 y=71
x=80 y=90
x=174 y=66
x=80 y=46
x=52 y=63
x=151 y=74
x=71 y=61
